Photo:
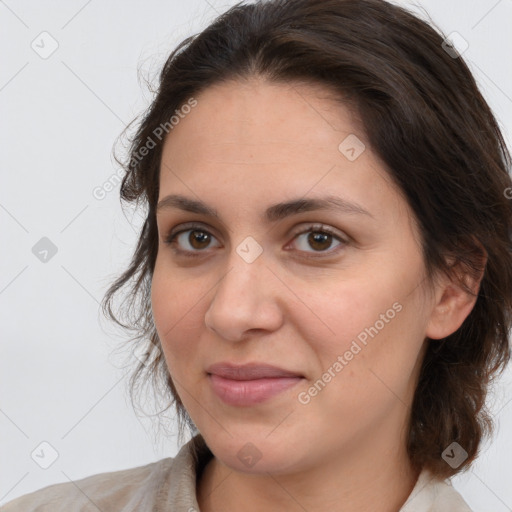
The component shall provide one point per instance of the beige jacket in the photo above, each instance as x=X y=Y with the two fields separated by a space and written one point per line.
x=169 y=485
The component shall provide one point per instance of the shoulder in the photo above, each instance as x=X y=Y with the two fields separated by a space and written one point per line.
x=434 y=495
x=447 y=498
x=116 y=490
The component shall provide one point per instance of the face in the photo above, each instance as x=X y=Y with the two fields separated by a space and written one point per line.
x=331 y=292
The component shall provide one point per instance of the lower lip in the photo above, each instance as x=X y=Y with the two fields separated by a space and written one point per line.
x=250 y=392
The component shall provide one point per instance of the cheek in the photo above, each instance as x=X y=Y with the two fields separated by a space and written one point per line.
x=340 y=311
x=368 y=357
x=176 y=307
x=372 y=320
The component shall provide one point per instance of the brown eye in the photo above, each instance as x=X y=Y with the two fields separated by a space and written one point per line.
x=319 y=240
x=190 y=241
x=198 y=239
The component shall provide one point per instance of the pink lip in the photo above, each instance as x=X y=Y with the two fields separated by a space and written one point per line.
x=249 y=384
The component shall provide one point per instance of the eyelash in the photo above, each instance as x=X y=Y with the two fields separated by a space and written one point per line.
x=316 y=228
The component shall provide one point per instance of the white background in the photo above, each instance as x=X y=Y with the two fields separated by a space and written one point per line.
x=61 y=379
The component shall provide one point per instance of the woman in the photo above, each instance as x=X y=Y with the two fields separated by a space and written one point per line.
x=324 y=276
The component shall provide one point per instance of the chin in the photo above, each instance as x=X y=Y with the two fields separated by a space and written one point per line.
x=256 y=453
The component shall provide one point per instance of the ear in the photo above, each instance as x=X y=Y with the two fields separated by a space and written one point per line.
x=453 y=303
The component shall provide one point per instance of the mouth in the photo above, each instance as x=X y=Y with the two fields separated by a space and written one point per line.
x=250 y=384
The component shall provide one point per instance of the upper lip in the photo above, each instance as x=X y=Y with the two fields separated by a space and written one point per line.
x=249 y=371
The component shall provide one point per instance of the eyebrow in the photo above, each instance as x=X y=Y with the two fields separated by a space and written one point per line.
x=272 y=213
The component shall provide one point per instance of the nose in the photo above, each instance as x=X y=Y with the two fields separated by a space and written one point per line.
x=246 y=301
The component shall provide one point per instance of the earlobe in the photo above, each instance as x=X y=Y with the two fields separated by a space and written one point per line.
x=454 y=302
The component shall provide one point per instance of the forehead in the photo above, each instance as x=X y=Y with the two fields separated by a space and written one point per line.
x=254 y=117
x=255 y=141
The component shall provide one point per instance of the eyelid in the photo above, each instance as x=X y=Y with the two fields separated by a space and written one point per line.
x=304 y=228
x=318 y=226
x=186 y=226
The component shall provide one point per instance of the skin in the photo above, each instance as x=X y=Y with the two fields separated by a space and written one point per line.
x=245 y=146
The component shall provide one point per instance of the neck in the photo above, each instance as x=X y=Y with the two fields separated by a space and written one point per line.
x=369 y=476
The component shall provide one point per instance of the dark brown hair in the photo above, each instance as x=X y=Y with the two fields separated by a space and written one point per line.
x=427 y=121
